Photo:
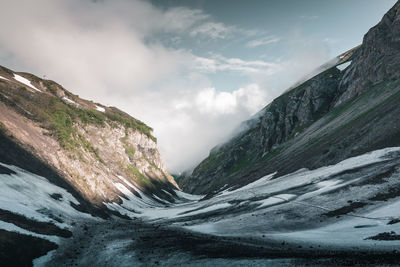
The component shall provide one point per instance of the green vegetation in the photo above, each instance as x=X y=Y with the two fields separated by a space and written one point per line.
x=130 y=151
x=132 y=123
x=137 y=174
x=209 y=162
x=379 y=90
x=241 y=163
x=63 y=120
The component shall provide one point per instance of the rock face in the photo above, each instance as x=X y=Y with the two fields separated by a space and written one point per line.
x=377 y=59
x=336 y=114
x=90 y=146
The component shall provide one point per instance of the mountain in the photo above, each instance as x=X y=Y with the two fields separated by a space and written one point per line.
x=311 y=180
x=347 y=110
x=79 y=144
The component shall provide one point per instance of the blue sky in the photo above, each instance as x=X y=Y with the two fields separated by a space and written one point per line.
x=276 y=29
x=193 y=70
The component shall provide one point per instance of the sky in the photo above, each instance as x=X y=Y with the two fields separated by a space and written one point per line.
x=192 y=70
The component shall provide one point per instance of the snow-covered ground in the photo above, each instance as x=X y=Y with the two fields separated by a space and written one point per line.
x=343 y=66
x=248 y=210
x=335 y=207
x=34 y=197
x=25 y=81
x=101 y=109
x=69 y=101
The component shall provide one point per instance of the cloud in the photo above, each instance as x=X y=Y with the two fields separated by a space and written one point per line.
x=211 y=102
x=108 y=51
x=198 y=120
x=214 y=30
x=263 y=41
x=220 y=63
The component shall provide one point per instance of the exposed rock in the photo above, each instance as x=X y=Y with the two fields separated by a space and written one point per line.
x=86 y=147
x=332 y=116
x=377 y=60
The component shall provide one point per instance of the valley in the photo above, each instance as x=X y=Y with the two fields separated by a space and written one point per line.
x=311 y=179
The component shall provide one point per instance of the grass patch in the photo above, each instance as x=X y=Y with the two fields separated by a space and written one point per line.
x=132 y=123
x=130 y=151
x=140 y=177
x=211 y=161
x=243 y=162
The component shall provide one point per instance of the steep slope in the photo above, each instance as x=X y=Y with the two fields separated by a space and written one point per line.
x=342 y=112
x=81 y=145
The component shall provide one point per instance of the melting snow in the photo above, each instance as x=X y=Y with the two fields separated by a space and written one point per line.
x=187 y=196
x=265 y=189
x=25 y=81
x=346 y=232
x=209 y=208
x=1 y=77
x=66 y=99
x=276 y=200
x=126 y=181
x=343 y=66
x=13 y=228
x=101 y=109
x=29 y=195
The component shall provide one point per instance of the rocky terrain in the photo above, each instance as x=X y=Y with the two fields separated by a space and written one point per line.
x=86 y=144
x=346 y=110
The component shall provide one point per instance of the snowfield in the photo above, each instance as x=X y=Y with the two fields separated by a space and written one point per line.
x=35 y=198
x=265 y=206
x=343 y=207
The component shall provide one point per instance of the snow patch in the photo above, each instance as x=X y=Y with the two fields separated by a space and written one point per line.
x=126 y=181
x=69 y=101
x=25 y=81
x=101 y=109
x=1 y=77
x=276 y=199
x=13 y=228
x=343 y=66
x=187 y=196
x=30 y=195
x=209 y=208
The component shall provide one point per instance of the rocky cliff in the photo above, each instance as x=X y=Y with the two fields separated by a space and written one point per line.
x=51 y=132
x=344 y=111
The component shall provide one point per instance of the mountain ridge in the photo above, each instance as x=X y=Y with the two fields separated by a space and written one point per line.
x=325 y=111
x=87 y=144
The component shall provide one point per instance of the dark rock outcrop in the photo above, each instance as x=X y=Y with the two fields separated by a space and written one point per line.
x=377 y=59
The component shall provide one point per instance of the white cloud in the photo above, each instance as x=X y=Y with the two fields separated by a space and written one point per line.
x=181 y=19
x=219 y=63
x=214 y=30
x=101 y=51
x=213 y=103
x=197 y=120
x=263 y=41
